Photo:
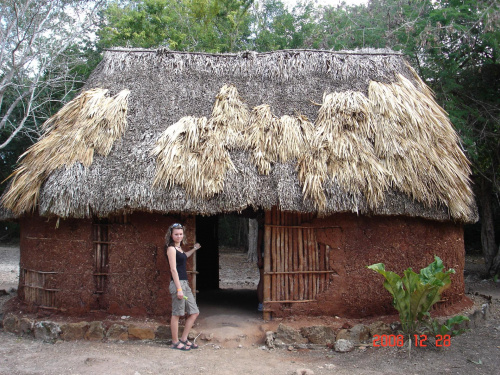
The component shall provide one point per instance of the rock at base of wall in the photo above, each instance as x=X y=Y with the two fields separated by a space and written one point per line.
x=95 y=331
x=477 y=318
x=380 y=328
x=343 y=346
x=140 y=333
x=11 y=324
x=26 y=327
x=289 y=335
x=74 y=331
x=321 y=335
x=357 y=334
x=47 y=331
x=163 y=333
x=117 y=332
x=270 y=339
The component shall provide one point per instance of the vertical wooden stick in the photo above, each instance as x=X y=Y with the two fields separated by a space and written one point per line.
x=293 y=259
x=316 y=260
x=309 y=277
x=284 y=257
x=278 y=256
x=287 y=259
x=301 y=264
x=327 y=264
x=312 y=277
x=322 y=264
x=267 y=265
x=290 y=257
x=273 y=255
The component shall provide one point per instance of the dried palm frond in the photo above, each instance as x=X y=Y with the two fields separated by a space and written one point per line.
x=344 y=130
x=311 y=167
x=419 y=146
x=272 y=139
x=194 y=152
x=294 y=133
x=173 y=151
x=229 y=115
x=90 y=122
x=260 y=138
x=345 y=111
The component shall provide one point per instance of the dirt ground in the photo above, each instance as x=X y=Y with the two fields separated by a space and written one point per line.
x=475 y=352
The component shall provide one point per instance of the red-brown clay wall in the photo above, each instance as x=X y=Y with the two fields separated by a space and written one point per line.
x=398 y=242
x=66 y=250
x=139 y=274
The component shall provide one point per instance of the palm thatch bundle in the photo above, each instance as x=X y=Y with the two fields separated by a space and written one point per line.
x=90 y=123
x=419 y=147
x=272 y=139
x=229 y=116
x=194 y=152
x=212 y=133
x=344 y=141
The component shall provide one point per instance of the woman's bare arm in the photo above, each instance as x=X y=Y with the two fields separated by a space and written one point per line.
x=190 y=252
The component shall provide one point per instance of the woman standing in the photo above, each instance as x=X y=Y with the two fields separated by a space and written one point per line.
x=182 y=297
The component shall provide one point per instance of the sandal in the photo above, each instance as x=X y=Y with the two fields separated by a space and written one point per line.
x=190 y=345
x=183 y=347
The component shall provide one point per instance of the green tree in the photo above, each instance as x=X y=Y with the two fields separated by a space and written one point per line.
x=455 y=46
x=39 y=46
x=275 y=27
x=183 y=25
x=464 y=54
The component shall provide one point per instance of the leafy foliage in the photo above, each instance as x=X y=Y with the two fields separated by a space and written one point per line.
x=414 y=294
x=276 y=27
x=448 y=327
x=184 y=25
x=45 y=57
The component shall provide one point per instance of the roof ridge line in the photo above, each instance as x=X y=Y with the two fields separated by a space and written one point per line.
x=165 y=50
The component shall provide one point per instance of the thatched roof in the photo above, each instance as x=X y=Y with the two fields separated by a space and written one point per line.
x=309 y=131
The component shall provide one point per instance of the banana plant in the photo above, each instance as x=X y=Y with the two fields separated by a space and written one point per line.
x=414 y=294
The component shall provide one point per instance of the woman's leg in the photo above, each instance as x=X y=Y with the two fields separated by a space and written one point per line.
x=187 y=327
x=174 y=328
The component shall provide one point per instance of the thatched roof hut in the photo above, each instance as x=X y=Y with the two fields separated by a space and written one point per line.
x=347 y=153
x=308 y=131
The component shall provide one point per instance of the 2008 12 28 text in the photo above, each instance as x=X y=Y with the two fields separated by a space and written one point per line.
x=417 y=340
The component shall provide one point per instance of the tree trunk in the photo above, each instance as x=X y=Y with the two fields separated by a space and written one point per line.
x=495 y=265
x=490 y=248
x=253 y=231
x=244 y=233
x=238 y=233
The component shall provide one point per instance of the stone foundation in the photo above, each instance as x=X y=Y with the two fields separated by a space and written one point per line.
x=284 y=336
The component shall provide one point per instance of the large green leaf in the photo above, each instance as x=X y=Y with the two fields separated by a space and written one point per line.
x=414 y=294
x=394 y=285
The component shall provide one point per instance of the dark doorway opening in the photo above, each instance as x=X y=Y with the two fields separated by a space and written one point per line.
x=225 y=279
x=207 y=259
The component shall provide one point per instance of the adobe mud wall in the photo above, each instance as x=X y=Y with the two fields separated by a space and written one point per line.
x=398 y=242
x=66 y=251
x=137 y=271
